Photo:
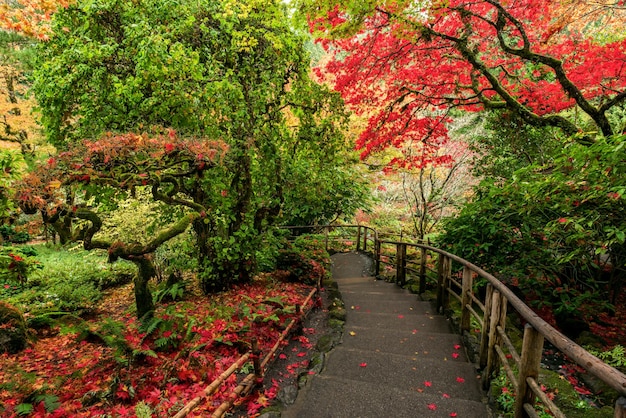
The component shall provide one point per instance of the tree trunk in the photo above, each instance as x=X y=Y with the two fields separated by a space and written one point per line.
x=143 y=296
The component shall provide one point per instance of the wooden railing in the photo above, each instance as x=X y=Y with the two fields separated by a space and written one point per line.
x=417 y=260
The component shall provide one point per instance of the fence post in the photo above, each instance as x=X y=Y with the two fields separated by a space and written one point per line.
x=364 y=238
x=466 y=299
x=498 y=318
x=326 y=238
x=620 y=407
x=422 y=270
x=256 y=360
x=532 y=347
x=358 y=238
x=440 y=282
x=447 y=274
x=377 y=256
x=401 y=264
x=484 y=334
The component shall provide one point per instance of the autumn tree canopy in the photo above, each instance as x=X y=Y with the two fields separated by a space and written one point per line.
x=412 y=63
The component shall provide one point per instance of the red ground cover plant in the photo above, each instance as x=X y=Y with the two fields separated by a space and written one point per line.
x=90 y=372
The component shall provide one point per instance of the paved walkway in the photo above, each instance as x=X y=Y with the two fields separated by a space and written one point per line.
x=397 y=357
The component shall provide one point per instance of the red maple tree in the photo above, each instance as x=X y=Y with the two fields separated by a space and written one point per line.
x=108 y=168
x=408 y=64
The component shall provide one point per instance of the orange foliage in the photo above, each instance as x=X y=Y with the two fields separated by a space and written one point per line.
x=591 y=17
x=29 y=17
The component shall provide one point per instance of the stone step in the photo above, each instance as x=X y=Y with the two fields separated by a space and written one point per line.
x=336 y=397
x=411 y=321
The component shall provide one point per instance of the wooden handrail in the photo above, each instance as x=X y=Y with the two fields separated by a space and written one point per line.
x=493 y=322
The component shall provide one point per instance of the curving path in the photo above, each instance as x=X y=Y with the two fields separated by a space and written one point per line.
x=397 y=358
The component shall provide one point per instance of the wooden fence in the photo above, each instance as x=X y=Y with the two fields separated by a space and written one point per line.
x=434 y=267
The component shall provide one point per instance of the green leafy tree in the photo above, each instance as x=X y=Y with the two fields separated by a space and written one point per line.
x=229 y=70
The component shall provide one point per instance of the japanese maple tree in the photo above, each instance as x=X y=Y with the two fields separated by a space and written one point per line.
x=412 y=63
x=72 y=184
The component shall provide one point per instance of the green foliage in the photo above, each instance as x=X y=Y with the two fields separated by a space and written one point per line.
x=562 y=226
x=275 y=239
x=305 y=260
x=142 y=410
x=615 y=357
x=108 y=332
x=320 y=195
x=510 y=144
x=17 y=264
x=166 y=291
x=169 y=330
x=67 y=280
x=132 y=219
x=231 y=70
x=9 y=234
x=10 y=163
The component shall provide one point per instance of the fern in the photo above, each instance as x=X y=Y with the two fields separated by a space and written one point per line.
x=24 y=409
x=51 y=402
x=150 y=325
x=616 y=357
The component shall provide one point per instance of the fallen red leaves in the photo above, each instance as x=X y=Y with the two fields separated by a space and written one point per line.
x=87 y=378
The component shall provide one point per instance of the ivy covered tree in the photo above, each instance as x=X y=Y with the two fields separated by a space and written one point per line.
x=229 y=70
x=90 y=175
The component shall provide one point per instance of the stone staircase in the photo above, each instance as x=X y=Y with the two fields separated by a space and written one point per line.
x=397 y=357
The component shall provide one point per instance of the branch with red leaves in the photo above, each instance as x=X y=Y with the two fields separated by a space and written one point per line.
x=120 y=163
x=404 y=66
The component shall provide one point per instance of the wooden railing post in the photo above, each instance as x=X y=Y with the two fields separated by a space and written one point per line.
x=422 y=270
x=256 y=360
x=466 y=299
x=326 y=238
x=532 y=348
x=358 y=238
x=497 y=318
x=364 y=239
x=620 y=407
x=377 y=256
x=443 y=283
x=484 y=334
x=440 y=282
x=401 y=264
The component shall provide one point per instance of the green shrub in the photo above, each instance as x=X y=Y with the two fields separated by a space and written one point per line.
x=9 y=234
x=70 y=280
x=305 y=260
x=17 y=264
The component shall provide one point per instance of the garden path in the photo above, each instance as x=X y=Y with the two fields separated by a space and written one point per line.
x=397 y=357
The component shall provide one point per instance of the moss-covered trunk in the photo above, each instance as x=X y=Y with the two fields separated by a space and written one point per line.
x=143 y=296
